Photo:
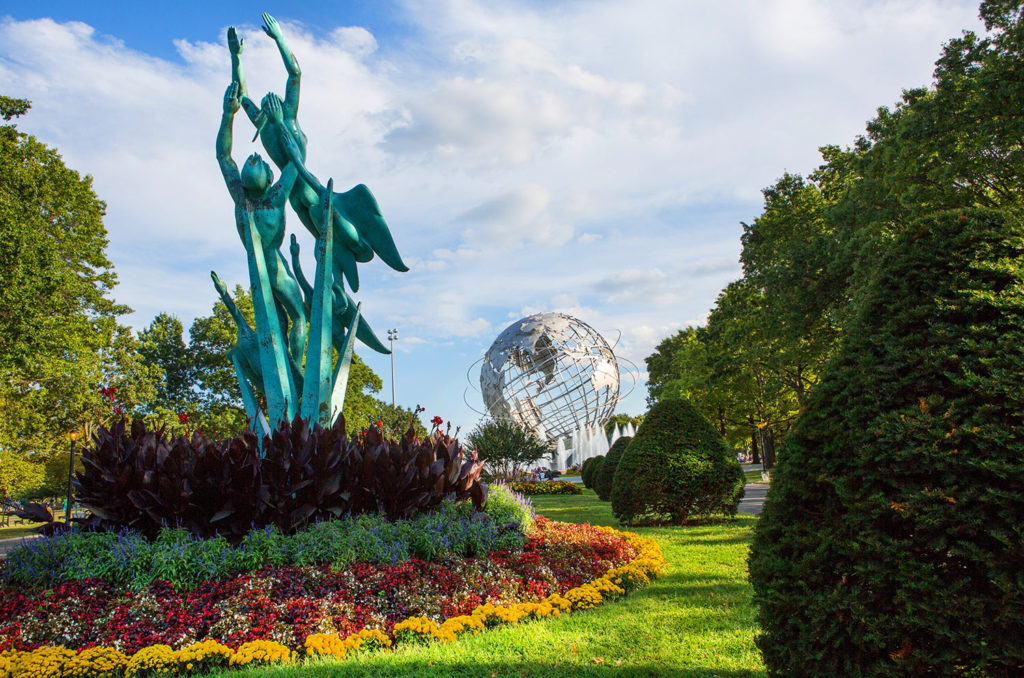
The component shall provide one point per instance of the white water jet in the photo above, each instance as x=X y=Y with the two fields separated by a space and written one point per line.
x=616 y=434
x=560 y=455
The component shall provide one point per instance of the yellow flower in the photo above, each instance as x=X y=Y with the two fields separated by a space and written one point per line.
x=96 y=662
x=418 y=629
x=206 y=655
x=328 y=645
x=152 y=660
x=373 y=638
x=260 y=652
x=43 y=662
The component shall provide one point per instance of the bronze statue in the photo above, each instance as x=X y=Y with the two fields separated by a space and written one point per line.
x=297 y=375
x=360 y=229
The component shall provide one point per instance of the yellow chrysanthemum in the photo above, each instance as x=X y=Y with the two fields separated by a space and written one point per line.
x=155 y=660
x=260 y=652
x=44 y=662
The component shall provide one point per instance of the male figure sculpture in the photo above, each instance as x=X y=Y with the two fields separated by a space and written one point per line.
x=257 y=197
x=360 y=229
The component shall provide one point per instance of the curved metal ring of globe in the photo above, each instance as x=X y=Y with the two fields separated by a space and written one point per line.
x=552 y=373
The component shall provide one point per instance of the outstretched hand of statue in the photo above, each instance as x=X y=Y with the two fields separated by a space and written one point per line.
x=222 y=289
x=232 y=99
x=270 y=27
x=235 y=43
x=274 y=108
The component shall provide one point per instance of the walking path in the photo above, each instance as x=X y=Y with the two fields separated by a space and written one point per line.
x=753 y=498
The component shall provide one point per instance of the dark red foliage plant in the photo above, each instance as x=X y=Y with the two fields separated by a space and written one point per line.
x=143 y=480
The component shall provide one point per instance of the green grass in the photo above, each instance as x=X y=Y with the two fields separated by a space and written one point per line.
x=753 y=476
x=17 y=531
x=695 y=620
x=22 y=528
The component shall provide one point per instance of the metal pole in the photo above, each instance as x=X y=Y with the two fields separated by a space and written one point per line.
x=393 y=337
x=71 y=471
x=760 y=441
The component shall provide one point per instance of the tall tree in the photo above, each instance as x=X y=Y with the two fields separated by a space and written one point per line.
x=59 y=336
x=162 y=344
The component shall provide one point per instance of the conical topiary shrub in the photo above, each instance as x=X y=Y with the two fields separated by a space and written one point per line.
x=677 y=466
x=585 y=472
x=603 y=480
x=892 y=540
x=591 y=471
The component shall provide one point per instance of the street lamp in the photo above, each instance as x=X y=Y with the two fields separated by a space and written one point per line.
x=392 y=338
x=764 y=452
x=71 y=470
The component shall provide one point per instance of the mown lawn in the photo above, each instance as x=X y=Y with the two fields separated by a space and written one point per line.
x=18 y=531
x=696 y=620
x=753 y=476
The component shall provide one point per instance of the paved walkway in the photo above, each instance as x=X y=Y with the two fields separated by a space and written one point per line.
x=753 y=498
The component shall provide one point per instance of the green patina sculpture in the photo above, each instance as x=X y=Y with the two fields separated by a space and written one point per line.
x=287 y=359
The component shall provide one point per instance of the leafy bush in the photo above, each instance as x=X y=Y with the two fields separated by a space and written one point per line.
x=591 y=471
x=140 y=480
x=530 y=488
x=505 y=505
x=583 y=471
x=603 y=479
x=507 y=448
x=677 y=466
x=180 y=557
x=892 y=540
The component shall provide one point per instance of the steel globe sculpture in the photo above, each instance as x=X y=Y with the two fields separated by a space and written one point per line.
x=552 y=373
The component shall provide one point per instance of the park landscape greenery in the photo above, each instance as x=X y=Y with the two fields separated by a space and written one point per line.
x=68 y=364
x=870 y=350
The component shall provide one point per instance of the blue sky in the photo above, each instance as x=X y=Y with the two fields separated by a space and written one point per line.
x=594 y=158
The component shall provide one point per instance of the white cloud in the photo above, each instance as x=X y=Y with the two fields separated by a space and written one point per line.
x=592 y=158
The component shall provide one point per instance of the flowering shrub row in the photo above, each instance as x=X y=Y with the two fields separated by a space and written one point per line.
x=288 y=603
x=546 y=487
x=644 y=563
x=185 y=560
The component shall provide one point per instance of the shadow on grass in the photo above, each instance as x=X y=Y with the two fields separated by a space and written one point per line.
x=417 y=668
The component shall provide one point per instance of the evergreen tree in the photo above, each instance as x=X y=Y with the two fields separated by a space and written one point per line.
x=892 y=539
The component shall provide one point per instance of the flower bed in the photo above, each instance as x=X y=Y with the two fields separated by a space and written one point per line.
x=545 y=487
x=281 y=614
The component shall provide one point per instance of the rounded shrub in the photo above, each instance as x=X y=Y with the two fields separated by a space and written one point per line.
x=603 y=480
x=584 y=475
x=677 y=466
x=892 y=539
x=595 y=464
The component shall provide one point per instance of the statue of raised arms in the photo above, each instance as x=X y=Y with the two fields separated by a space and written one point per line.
x=299 y=326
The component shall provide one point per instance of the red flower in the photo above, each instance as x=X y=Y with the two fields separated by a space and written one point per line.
x=437 y=421
x=118 y=410
x=183 y=417
x=108 y=392
x=380 y=424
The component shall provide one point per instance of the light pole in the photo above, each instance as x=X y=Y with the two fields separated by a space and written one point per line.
x=764 y=452
x=71 y=470
x=392 y=338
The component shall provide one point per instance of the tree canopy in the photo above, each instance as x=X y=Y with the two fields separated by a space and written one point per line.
x=60 y=338
x=814 y=248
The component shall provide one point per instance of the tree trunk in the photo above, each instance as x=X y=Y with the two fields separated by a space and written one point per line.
x=754 y=451
x=769 y=451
